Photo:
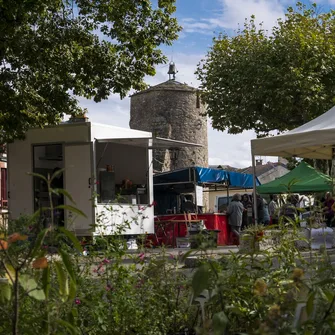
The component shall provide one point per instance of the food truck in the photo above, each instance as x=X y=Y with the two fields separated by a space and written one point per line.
x=107 y=170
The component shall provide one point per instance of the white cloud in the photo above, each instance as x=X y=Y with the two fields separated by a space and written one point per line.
x=204 y=26
x=236 y=11
x=226 y=149
x=232 y=14
x=112 y=111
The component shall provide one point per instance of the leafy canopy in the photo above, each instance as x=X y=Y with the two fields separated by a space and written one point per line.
x=54 y=50
x=274 y=80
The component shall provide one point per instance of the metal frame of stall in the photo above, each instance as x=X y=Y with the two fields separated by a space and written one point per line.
x=224 y=184
x=191 y=173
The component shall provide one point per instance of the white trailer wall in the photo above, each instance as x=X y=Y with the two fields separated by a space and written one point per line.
x=129 y=162
x=20 y=184
x=78 y=182
x=20 y=162
x=133 y=162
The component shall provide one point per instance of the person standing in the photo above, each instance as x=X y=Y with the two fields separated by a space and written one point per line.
x=260 y=209
x=289 y=211
x=328 y=210
x=235 y=214
x=266 y=215
x=247 y=204
x=274 y=208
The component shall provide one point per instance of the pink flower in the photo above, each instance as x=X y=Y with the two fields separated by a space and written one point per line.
x=141 y=256
x=109 y=288
x=106 y=261
x=77 y=301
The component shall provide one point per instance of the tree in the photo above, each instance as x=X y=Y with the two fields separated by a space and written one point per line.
x=52 y=51
x=271 y=81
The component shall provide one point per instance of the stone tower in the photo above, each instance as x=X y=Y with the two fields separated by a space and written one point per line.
x=172 y=110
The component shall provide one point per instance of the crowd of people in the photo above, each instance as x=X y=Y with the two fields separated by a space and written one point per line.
x=328 y=204
x=240 y=211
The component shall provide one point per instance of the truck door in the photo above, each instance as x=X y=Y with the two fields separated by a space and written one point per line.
x=20 y=184
x=78 y=177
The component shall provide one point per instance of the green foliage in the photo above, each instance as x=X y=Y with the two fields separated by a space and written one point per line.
x=30 y=286
x=270 y=288
x=71 y=294
x=274 y=80
x=53 y=51
x=220 y=322
x=274 y=289
x=200 y=279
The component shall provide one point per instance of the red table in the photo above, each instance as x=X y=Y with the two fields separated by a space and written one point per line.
x=167 y=227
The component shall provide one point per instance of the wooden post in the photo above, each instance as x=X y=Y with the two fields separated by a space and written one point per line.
x=254 y=186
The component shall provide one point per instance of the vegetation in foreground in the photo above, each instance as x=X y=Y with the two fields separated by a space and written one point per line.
x=269 y=290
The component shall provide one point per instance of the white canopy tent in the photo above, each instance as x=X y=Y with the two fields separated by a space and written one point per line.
x=315 y=139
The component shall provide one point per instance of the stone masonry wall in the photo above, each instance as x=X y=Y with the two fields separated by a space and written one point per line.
x=172 y=111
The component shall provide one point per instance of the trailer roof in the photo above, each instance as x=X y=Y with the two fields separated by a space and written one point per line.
x=155 y=143
x=103 y=131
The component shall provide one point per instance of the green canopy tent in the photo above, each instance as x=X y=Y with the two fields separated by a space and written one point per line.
x=302 y=179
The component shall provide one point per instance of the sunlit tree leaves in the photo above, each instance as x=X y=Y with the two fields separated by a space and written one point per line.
x=52 y=51
x=271 y=80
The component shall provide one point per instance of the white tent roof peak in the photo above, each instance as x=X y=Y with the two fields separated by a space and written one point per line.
x=324 y=121
x=315 y=139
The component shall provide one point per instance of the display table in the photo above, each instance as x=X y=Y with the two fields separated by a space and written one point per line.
x=169 y=227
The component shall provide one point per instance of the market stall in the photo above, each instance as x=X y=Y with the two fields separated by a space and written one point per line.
x=315 y=139
x=186 y=191
x=168 y=228
x=305 y=180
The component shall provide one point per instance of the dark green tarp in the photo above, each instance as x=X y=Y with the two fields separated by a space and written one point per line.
x=303 y=179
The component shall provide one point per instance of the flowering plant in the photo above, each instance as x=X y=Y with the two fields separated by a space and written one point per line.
x=257 y=232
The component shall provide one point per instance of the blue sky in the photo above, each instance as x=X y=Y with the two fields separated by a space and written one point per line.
x=201 y=21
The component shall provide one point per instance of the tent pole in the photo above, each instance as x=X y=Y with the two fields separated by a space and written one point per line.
x=227 y=193
x=195 y=191
x=333 y=169
x=254 y=188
